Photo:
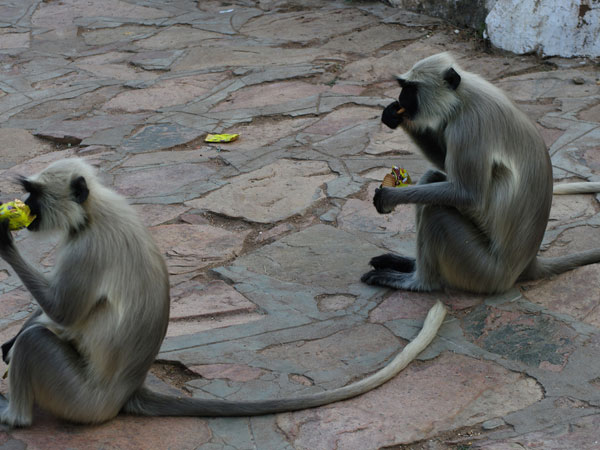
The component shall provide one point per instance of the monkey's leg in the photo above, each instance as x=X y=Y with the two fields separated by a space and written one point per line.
x=424 y=277
x=52 y=373
x=7 y=346
x=453 y=249
x=393 y=262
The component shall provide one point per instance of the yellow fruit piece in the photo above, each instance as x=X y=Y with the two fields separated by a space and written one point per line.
x=221 y=137
x=402 y=176
x=17 y=213
x=398 y=177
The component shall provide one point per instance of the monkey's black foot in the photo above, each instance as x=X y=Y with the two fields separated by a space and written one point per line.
x=385 y=277
x=370 y=278
x=394 y=279
x=394 y=262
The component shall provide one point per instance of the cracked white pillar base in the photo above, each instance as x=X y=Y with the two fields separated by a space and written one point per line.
x=548 y=27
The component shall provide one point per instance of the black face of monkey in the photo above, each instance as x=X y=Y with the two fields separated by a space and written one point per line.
x=39 y=201
x=406 y=106
x=408 y=98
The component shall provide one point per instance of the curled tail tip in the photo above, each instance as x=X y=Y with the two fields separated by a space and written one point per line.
x=588 y=187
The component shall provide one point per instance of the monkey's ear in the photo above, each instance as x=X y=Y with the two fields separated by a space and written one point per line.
x=401 y=82
x=452 y=78
x=29 y=186
x=79 y=190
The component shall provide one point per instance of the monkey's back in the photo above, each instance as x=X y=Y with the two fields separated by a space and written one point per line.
x=131 y=288
x=515 y=174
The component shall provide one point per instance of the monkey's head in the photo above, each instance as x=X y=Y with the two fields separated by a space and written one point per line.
x=428 y=96
x=58 y=194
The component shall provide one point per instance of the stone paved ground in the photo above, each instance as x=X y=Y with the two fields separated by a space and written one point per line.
x=266 y=237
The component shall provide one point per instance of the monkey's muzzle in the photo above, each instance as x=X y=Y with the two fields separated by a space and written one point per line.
x=392 y=115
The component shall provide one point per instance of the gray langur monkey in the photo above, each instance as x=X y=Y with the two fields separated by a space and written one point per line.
x=482 y=212
x=103 y=313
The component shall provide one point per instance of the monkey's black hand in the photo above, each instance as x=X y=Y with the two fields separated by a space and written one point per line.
x=6 y=239
x=390 y=116
x=378 y=201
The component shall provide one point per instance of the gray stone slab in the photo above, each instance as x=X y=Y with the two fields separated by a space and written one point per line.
x=193 y=121
x=10 y=102
x=294 y=108
x=544 y=85
x=207 y=102
x=112 y=137
x=17 y=13
x=159 y=137
x=290 y=305
x=109 y=35
x=19 y=146
x=167 y=184
x=246 y=56
x=268 y=74
x=350 y=141
x=367 y=41
x=266 y=434
x=273 y=193
x=482 y=389
x=156 y=60
x=229 y=434
x=580 y=156
x=330 y=215
x=343 y=187
x=320 y=256
x=293 y=26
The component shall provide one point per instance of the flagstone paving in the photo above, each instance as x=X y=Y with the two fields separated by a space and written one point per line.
x=266 y=237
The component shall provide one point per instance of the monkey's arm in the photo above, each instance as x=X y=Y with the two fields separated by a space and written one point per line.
x=440 y=193
x=62 y=307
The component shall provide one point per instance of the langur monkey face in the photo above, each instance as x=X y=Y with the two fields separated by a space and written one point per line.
x=417 y=93
x=56 y=198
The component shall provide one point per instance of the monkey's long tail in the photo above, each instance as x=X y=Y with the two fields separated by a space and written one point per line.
x=146 y=402
x=577 y=188
x=546 y=267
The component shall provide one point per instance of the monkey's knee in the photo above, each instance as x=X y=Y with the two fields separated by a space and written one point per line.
x=9 y=345
x=460 y=253
x=6 y=348
x=432 y=176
